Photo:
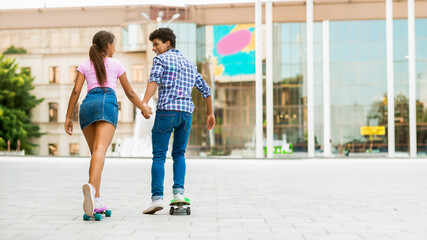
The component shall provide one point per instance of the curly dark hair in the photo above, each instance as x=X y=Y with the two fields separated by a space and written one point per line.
x=164 y=34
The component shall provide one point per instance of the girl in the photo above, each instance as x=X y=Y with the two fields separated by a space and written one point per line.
x=99 y=110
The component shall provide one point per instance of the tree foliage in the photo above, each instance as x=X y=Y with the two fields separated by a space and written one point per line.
x=13 y=50
x=16 y=103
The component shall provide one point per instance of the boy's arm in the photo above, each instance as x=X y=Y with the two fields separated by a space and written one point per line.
x=210 y=118
x=205 y=90
x=202 y=86
x=151 y=89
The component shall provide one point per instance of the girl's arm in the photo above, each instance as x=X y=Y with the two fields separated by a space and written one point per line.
x=75 y=94
x=130 y=93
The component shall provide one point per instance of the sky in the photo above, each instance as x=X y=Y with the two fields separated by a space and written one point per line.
x=25 y=4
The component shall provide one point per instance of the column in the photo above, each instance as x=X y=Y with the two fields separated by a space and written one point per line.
x=412 y=93
x=258 y=81
x=310 y=79
x=390 y=77
x=326 y=92
x=269 y=77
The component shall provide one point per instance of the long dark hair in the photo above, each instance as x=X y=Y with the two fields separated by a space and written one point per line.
x=97 y=53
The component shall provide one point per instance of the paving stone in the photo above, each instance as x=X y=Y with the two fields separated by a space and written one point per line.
x=381 y=199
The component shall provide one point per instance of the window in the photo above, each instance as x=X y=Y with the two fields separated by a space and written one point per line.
x=75 y=115
x=53 y=74
x=137 y=72
x=53 y=112
x=74 y=149
x=73 y=74
x=119 y=118
x=53 y=149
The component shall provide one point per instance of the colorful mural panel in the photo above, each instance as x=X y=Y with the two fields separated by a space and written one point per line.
x=234 y=49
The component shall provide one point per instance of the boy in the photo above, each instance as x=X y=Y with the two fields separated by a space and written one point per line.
x=175 y=75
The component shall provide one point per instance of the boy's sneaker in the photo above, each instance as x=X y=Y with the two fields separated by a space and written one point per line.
x=155 y=206
x=178 y=197
x=89 y=197
x=100 y=206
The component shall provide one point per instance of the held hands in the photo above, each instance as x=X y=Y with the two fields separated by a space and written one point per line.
x=210 y=121
x=68 y=126
x=146 y=110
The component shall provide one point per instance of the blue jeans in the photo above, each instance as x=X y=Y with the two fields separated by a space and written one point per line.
x=165 y=123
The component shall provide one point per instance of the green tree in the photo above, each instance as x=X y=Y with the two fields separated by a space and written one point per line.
x=13 y=50
x=16 y=103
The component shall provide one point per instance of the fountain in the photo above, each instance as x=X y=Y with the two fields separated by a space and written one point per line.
x=139 y=145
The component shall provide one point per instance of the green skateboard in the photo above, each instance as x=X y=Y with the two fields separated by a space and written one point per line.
x=97 y=215
x=180 y=207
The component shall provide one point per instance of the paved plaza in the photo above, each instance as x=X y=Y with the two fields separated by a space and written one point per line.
x=345 y=199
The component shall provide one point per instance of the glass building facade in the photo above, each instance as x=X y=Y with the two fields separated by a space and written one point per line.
x=225 y=56
x=358 y=87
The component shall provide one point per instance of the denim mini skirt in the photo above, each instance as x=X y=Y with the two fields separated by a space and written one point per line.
x=100 y=104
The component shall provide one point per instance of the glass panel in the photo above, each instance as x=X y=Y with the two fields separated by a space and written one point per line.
x=186 y=41
x=289 y=110
x=358 y=85
x=222 y=55
x=421 y=88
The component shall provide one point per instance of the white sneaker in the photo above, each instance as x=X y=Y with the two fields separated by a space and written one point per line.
x=178 y=197
x=89 y=197
x=155 y=206
x=100 y=206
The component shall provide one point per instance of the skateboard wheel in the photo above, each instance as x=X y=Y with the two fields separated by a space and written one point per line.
x=188 y=211
x=172 y=210
x=86 y=217
x=108 y=213
x=98 y=217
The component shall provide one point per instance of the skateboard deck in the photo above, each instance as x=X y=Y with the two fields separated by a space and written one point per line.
x=180 y=207
x=97 y=215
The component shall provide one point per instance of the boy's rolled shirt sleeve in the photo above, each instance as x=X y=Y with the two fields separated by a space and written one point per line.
x=157 y=70
x=202 y=86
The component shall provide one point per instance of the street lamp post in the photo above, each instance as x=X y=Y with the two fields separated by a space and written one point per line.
x=160 y=18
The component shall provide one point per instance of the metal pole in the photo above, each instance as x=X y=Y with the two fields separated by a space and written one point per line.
x=269 y=79
x=390 y=77
x=213 y=90
x=258 y=82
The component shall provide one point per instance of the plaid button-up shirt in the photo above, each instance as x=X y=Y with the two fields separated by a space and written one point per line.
x=176 y=76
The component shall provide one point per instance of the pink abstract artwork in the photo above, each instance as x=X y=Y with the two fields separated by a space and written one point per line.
x=234 y=42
